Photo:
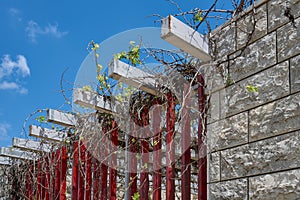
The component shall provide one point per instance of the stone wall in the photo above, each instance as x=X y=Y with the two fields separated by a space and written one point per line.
x=254 y=137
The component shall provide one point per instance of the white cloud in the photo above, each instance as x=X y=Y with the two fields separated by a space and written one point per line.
x=9 y=86
x=13 y=86
x=33 y=29
x=4 y=127
x=10 y=69
x=8 y=66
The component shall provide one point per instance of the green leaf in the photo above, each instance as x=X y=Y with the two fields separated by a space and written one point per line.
x=228 y=80
x=95 y=47
x=136 y=196
x=198 y=17
x=87 y=88
x=132 y=42
x=41 y=119
x=252 y=88
x=145 y=166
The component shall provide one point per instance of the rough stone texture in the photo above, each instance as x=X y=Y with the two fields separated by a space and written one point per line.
x=288 y=40
x=295 y=74
x=275 y=118
x=229 y=190
x=214 y=76
x=228 y=132
x=256 y=57
x=214 y=108
x=283 y=186
x=246 y=25
x=272 y=83
x=224 y=42
x=276 y=16
x=213 y=167
x=265 y=156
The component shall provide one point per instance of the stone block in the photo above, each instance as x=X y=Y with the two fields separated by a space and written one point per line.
x=245 y=26
x=224 y=40
x=254 y=58
x=228 y=132
x=276 y=9
x=295 y=74
x=214 y=108
x=283 y=186
x=272 y=83
x=213 y=167
x=288 y=40
x=214 y=76
x=229 y=190
x=270 y=155
x=275 y=118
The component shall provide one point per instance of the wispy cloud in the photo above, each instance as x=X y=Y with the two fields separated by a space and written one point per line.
x=14 y=12
x=4 y=127
x=33 y=30
x=10 y=69
x=13 y=86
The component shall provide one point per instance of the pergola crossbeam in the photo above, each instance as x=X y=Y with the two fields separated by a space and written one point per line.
x=4 y=160
x=15 y=153
x=132 y=76
x=30 y=145
x=61 y=118
x=46 y=134
x=184 y=37
x=93 y=101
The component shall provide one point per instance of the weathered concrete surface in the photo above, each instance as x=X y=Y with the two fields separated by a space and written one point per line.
x=288 y=40
x=229 y=190
x=283 y=186
x=295 y=74
x=272 y=83
x=276 y=11
x=228 y=132
x=246 y=26
x=224 y=41
x=265 y=156
x=213 y=167
x=255 y=57
x=275 y=118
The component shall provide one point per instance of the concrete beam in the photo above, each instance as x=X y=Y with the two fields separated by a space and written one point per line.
x=46 y=134
x=61 y=118
x=15 y=153
x=93 y=100
x=132 y=76
x=184 y=37
x=30 y=145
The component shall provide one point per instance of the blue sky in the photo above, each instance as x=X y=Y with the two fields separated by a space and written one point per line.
x=40 y=39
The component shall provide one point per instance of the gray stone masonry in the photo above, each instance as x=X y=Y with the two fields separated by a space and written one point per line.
x=272 y=84
x=276 y=10
x=288 y=38
x=274 y=154
x=256 y=57
x=282 y=185
x=214 y=166
x=275 y=118
x=229 y=190
x=295 y=74
x=246 y=25
x=253 y=137
x=228 y=132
